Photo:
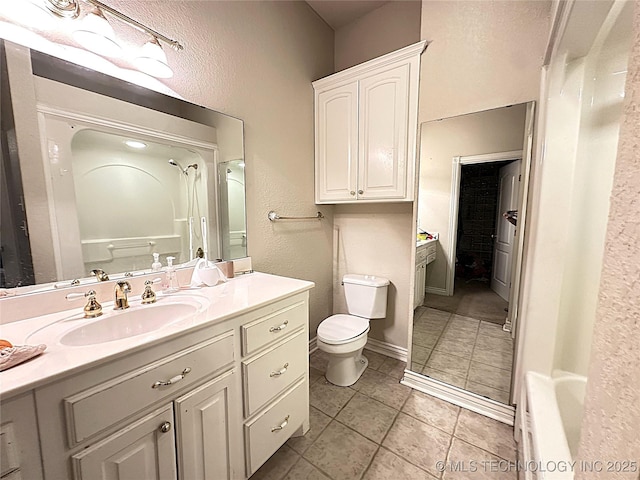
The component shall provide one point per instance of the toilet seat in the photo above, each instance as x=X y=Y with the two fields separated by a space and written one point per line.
x=340 y=329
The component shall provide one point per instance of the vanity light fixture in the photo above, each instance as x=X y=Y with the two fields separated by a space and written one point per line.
x=96 y=34
x=135 y=144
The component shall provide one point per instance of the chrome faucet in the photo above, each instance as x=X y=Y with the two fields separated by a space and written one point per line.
x=101 y=275
x=122 y=288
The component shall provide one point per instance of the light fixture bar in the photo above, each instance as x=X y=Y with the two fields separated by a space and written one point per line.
x=177 y=46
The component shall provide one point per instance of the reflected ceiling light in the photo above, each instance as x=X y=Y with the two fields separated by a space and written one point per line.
x=153 y=61
x=96 y=34
x=63 y=8
x=241 y=164
x=29 y=12
x=135 y=144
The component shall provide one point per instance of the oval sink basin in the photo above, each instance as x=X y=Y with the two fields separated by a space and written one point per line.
x=134 y=321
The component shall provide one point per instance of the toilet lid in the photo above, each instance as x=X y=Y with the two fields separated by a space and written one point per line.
x=339 y=329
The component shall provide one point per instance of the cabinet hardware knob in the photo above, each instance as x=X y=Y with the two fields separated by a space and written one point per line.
x=172 y=380
x=281 y=371
x=165 y=427
x=281 y=426
x=360 y=192
x=279 y=327
x=352 y=192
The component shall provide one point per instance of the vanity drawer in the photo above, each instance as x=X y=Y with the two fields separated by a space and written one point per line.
x=127 y=394
x=268 y=432
x=421 y=254
x=431 y=249
x=266 y=375
x=431 y=257
x=275 y=326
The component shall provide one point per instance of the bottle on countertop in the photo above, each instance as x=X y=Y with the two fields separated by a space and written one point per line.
x=156 y=266
x=172 y=276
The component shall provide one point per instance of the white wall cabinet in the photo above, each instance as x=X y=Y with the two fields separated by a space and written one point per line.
x=365 y=130
x=244 y=392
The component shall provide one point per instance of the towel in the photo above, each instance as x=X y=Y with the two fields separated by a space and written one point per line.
x=11 y=356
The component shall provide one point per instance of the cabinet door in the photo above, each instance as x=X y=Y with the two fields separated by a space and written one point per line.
x=383 y=128
x=418 y=293
x=337 y=144
x=19 y=446
x=205 y=431
x=143 y=450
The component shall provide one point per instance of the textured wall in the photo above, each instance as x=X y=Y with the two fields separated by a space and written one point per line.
x=612 y=407
x=390 y=27
x=483 y=54
x=256 y=61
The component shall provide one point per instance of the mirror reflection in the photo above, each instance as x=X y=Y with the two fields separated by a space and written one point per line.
x=472 y=176
x=120 y=174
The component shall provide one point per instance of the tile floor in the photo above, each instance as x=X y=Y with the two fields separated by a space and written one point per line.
x=463 y=351
x=379 y=429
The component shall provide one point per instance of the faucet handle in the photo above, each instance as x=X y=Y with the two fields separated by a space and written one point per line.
x=92 y=309
x=149 y=296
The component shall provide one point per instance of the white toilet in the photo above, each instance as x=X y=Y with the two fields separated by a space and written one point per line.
x=344 y=336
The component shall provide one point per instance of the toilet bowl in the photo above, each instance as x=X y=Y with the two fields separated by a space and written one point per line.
x=343 y=336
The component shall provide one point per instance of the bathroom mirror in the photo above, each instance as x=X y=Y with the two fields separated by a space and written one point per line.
x=98 y=173
x=474 y=169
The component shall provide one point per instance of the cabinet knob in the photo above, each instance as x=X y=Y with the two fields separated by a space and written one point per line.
x=165 y=427
x=360 y=192
x=352 y=192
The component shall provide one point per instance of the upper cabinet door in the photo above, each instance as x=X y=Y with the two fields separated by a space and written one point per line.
x=337 y=144
x=383 y=126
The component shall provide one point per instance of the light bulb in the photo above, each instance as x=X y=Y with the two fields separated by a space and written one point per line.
x=153 y=61
x=96 y=34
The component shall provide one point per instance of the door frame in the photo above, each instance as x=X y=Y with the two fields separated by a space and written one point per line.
x=454 y=206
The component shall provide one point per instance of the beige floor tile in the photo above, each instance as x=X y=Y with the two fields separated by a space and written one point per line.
x=375 y=359
x=304 y=470
x=424 y=339
x=419 y=443
x=494 y=358
x=420 y=354
x=486 y=433
x=367 y=417
x=392 y=367
x=436 y=315
x=385 y=389
x=329 y=398
x=458 y=366
x=463 y=320
x=487 y=342
x=366 y=377
x=468 y=336
x=319 y=360
x=444 y=377
x=432 y=410
x=458 y=347
x=318 y=421
x=315 y=375
x=341 y=453
x=489 y=392
x=473 y=463
x=491 y=376
x=493 y=330
x=388 y=466
x=278 y=465
x=417 y=367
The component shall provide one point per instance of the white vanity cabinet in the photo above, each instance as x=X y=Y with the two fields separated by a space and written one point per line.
x=425 y=254
x=365 y=130
x=214 y=402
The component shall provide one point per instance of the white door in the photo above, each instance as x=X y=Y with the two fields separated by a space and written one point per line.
x=505 y=231
x=337 y=144
x=205 y=439
x=384 y=120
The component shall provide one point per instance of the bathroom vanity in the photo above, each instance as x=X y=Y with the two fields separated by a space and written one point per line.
x=212 y=395
x=425 y=254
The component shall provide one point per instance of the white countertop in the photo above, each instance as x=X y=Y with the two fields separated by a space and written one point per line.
x=227 y=300
x=420 y=243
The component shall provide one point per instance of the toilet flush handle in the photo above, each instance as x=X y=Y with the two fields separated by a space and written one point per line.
x=280 y=327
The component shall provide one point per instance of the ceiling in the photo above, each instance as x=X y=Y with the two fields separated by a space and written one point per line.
x=338 y=13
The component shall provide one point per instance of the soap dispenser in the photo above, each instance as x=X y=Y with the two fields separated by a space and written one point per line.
x=172 y=276
x=156 y=266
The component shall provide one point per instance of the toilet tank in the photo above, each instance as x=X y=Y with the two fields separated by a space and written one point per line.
x=366 y=295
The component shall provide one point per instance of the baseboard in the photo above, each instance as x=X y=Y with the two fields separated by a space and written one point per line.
x=462 y=398
x=436 y=291
x=388 y=349
x=377 y=346
x=313 y=345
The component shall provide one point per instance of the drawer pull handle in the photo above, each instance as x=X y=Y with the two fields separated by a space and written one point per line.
x=279 y=327
x=281 y=426
x=281 y=371
x=171 y=381
x=165 y=427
